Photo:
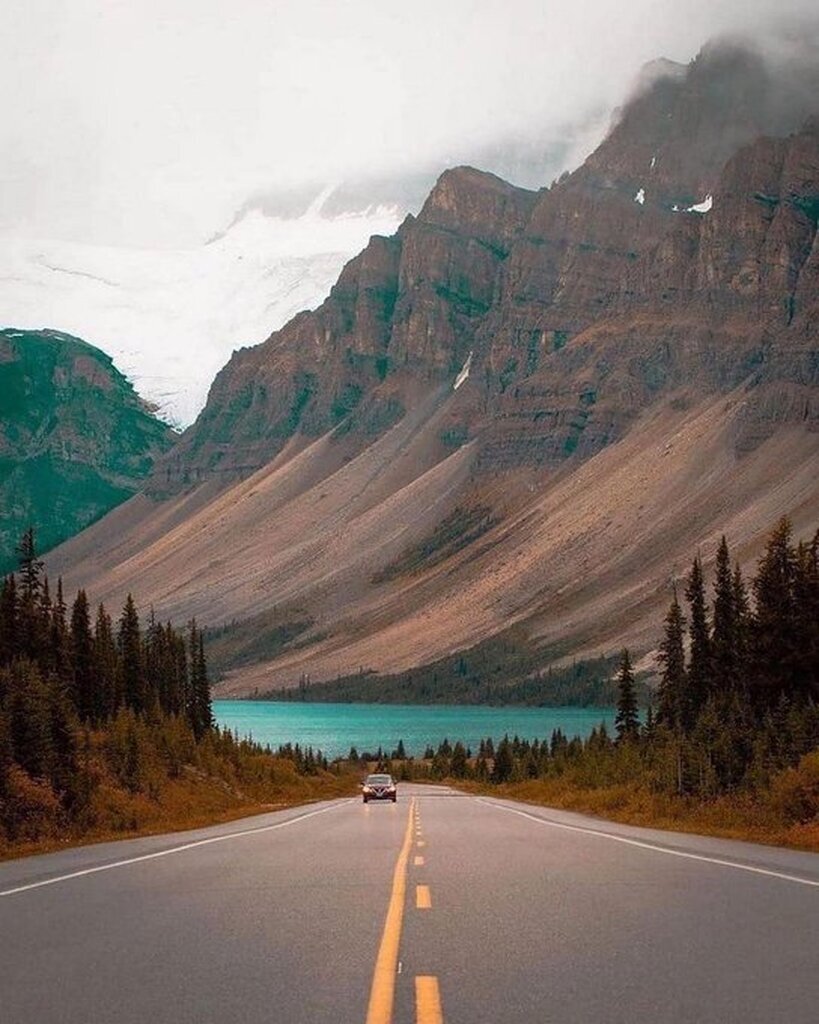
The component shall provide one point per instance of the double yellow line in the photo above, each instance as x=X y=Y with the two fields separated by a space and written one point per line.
x=382 y=993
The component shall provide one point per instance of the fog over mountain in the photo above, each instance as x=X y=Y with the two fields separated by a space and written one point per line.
x=177 y=179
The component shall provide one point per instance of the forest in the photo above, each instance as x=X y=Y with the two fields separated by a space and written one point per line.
x=106 y=727
x=729 y=742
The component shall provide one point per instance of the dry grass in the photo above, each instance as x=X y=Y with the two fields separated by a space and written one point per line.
x=756 y=820
x=198 y=797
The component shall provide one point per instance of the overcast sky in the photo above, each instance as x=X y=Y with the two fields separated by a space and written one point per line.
x=149 y=121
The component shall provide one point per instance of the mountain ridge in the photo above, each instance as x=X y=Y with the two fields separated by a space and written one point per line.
x=667 y=285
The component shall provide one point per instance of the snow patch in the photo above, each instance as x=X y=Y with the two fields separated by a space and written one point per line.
x=702 y=207
x=641 y=196
x=464 y=373
x=653 y=163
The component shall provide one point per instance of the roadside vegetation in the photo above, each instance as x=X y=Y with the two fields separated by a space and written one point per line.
x=732 y=746
x=106 y=728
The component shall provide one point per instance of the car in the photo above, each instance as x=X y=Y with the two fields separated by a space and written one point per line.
x=379 y=787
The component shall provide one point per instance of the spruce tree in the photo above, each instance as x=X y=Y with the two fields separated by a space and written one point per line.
x=60 y=640
x=742 y=626
x=725 y=639
x=84 y=684
x=108 y=697
x=627 y=720
x=129 y=646
x=200 y=714
x=775 y=634
x=672 y=695
x=458 y=764
x=30 y=621
x=502 y=769
x=700 y=664
x=29 y=715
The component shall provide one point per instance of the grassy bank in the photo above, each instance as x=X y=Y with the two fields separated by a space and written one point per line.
x=746 y=817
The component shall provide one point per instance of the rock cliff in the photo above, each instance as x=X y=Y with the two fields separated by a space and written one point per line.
x=515 y=359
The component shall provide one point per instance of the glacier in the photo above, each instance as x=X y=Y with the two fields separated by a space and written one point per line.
x=171 y=318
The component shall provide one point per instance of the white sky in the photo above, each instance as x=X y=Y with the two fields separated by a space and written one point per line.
x=148 y=121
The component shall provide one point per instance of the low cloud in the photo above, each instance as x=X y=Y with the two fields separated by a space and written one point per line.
x=149 y=123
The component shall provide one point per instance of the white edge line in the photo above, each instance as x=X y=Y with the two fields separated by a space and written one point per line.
x=651 y=846
x=168 y=852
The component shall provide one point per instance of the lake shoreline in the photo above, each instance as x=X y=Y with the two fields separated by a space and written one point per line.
x=335 y=727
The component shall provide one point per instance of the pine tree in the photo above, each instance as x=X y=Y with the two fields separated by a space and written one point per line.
x=60 y=640
x=672 y=694
x=458 y=765
x=700 y=664
x=31 y=625
x=108 y=697
x=84 y=683
x=725 y=652
x=200 y=714
x=129 y=646
x=627 y=720
x=774 y=637
x=502 y=769
x=30 y=568
x=742 y=626
x=29 y=715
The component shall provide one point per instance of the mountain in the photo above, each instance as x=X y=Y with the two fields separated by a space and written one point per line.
x=513 y=419
x=75 y=438
x=170 y=317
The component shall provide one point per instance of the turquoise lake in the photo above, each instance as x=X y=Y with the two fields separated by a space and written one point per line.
x=334 y=728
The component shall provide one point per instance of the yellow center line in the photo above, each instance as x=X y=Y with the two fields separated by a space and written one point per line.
x=428 y=1001
x=420 y=843
x=419 y=861
x=423 y=897
x=382 y=992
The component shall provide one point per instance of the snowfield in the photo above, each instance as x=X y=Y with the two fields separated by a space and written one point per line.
x=171 y=318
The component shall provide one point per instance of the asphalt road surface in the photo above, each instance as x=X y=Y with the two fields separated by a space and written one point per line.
x=443 y=907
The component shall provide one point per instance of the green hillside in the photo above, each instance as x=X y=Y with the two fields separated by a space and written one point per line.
x=75 y=438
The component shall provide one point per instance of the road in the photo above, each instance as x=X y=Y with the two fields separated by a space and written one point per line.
x=443 y=907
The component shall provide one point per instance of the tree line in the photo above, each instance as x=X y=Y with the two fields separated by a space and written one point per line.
x=738 y=696
x=66 y=671
x=736 y=702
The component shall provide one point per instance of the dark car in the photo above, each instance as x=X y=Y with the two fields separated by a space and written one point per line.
x=379 y=787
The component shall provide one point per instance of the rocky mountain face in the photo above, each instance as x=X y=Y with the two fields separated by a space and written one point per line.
x=503 y=346
x=687 y=214
x=75 y=439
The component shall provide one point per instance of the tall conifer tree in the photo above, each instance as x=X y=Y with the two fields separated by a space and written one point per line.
x=627 y=720
x=725 y=652
x=672 y=695
x=700 y=668
x=129 y=645
x=84 y=686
